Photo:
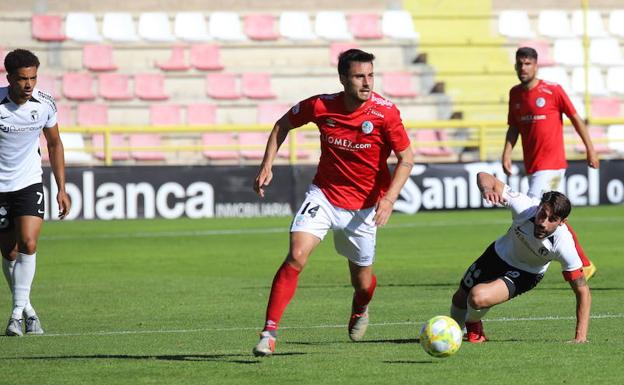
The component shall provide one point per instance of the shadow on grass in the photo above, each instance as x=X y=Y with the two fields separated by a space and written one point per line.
x=410 y=362
x=388 y=341
x=229 y=358
x=347 y=286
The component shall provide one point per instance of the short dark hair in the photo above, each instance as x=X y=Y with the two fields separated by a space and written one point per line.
x=559 y=203
x=526 y=52
x=352 y=55
x=20 y=58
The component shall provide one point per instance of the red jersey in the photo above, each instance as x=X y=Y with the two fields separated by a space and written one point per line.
x=353 y=171
x=536 y=113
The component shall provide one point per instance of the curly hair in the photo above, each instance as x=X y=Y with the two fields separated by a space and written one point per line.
x=20 y=58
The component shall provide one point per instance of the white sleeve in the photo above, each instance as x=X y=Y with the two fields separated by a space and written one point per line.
x=518 y=202
x=52 y=120
x=568 y=257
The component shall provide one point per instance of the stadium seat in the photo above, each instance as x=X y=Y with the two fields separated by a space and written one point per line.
x=544 y=54
x=616 y=22
x=255 y=142
x=269 y=113
x=64 y=115
x=201 y=114
x=98 y=57
x=615 y=80
x=605 y=107
x=47 y=83
x=92 y=114
x=433 y=137
x=595 y=26
x=119 y=27
x=556 y=75
x=296 y=26
x=595 y=133
x=191 y=26
x=597 y=84
x=365 y=26
x=78 y=86
x=176 y=61
x=74 y=145
x=260 y=27
x=155 y=27
x=165 y=114
x=335 y=49
x=257 y=86
x=615 y=134
x=605 y=51
x=554 y=23
x=206 y=57
x=514 y=24
x=579 y=106
x=150 y=87
x=220 y=139
x=116 y=140
x=222 y=86
x=568 y=52
x=146 y=140
x=47 y=27
x=226 y=26
x=398 y=84
x=398 y=25
x=82 y=27
x=332 y=25
x=114 y=86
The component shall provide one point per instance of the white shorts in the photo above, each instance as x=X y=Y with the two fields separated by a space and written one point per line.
x=544 y=181
x=354 y=230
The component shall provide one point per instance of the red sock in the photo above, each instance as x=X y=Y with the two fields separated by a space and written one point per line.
x=579 y=249
x=361 y=299
x=282 y=291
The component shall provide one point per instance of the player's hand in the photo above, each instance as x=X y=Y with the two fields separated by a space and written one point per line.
x=592 y=159
x=383 y=211
x=507 y=166
x=262 y=180
x=493 y=197
x=64 y=204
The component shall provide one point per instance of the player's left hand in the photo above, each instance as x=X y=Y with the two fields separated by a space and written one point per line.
x=64 y=204
x=592 y=159
x=383 y=211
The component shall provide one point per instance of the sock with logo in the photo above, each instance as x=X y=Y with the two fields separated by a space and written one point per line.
x=282 y=291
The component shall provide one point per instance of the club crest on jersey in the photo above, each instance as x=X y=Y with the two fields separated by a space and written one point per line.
x=543 y=251
x=367 y=127
x=540 y=102
x=34 y=115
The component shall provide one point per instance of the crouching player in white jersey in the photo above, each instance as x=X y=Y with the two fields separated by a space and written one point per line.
x=517 y=261
x=25 y=112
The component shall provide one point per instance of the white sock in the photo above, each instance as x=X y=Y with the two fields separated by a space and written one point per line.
x=475 y=315
x=459 y=315
x=23 y=274
x=7 y=269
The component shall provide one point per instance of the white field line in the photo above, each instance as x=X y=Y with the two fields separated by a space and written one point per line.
x=268 y=230
x=381 y=324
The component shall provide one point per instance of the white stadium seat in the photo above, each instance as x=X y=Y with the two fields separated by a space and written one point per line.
x=616 y=22
x=568 y=52
x=554 y=23
x=615 y=80
x=595 y=26
x=514 y=24
x=296 y=26
x=596 y=81
x=556 y=75
x=191 y=26
x=82 y=27
x=398 y=25
x=119 y=27
x=615 y=134
x=155 y=27
x=226 y=26
x=332 y=25
x=605 y=51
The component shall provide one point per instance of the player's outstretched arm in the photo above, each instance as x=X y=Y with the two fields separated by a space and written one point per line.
x=401 y=173
x=510 y=141
x=583 y=306
x=581 y=129
x=276 y=138
x=491 y=188
x=57 y=162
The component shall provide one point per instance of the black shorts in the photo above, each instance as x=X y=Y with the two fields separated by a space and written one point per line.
x=489 y=267
x=27 y=201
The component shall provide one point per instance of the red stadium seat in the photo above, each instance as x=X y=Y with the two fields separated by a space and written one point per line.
x=47 y=83
x=78 y=86
x=431 y=149
x=47 y=27
x=146 y=140
x=219 y=138
x=398 y=84
x=2 y=55
x=257 y=86
x=595 y=132
x=114 y=86
x=260 y=27
x=269 y=113
x=222 y=86
x=98 y=57
x=201 y=114
x=64 y=115
x=256 y=139
x=335 y=49
x=605 y=107
x=150 y=87
x=165 y=114
x=176 y=61
x=365 y=26
x=92 y=114
x=116 y=140
x=206 y=57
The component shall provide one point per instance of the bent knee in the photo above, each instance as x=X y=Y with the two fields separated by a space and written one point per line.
x=27 y=246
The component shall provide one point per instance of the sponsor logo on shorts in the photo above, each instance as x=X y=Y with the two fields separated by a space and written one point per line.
x=3 y=211
x=512 y=274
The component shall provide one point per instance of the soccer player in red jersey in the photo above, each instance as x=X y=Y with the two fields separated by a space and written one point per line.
x=352 y=193
x=535 y=113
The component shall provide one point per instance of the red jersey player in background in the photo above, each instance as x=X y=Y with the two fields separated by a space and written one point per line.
x=535 y=113
x=352 y=193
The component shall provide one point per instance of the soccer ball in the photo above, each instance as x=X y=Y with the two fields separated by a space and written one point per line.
x=441 y=336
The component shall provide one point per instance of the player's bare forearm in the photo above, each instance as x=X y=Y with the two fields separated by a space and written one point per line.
x=583 y=306
x=510 y=141
x=56 y=153
x=581 y=130
x=490 y=187
x=402 y=171
x=276 y=138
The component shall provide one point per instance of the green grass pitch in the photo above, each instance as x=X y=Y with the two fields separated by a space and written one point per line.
x=181 y=302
